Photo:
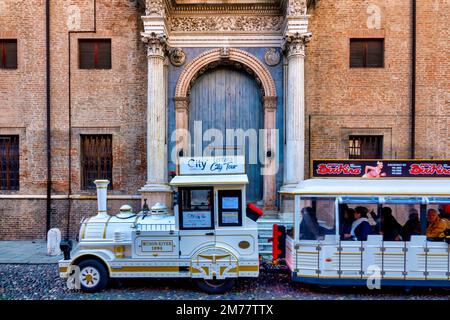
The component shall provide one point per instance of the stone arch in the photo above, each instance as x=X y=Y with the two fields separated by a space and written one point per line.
x=262 y=74
x=230 y=54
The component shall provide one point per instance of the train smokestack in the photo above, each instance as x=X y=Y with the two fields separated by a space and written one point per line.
x=102 y=189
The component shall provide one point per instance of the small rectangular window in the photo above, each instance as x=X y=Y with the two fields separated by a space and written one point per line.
x=366 y=53
x=366 y=147
x=96 y=159
x=9 y=162
x=95 y=53
x=197 y=209
x=8 y=53
x=230 y=208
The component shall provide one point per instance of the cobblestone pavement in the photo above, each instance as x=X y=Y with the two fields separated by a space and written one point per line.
x=36 y=282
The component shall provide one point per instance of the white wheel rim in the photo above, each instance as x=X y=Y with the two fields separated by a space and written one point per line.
x=89 y=277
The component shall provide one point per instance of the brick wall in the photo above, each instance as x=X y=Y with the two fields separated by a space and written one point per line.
x=377 y=101
x=103 y=101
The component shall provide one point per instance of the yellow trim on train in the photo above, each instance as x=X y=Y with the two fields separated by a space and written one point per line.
x=147 y=269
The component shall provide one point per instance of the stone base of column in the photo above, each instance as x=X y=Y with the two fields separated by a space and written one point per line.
x=155 y=193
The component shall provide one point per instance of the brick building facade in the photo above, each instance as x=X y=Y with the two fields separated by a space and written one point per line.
x=340 y=102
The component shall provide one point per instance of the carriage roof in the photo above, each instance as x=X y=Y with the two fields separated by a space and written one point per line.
x=209 y=180
x=373 y=187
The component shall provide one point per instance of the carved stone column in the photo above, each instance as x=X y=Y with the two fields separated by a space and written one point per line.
x=156 y=188
x=295 y=110
x=271 y=153
x=182 y=127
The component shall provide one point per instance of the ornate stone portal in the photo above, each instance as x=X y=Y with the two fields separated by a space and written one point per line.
x=223 y=29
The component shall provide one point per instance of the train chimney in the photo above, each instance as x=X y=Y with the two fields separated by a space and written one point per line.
x=102 y=188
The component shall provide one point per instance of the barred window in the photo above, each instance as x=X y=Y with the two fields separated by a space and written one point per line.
x=8 y=53
x=9 y=162
x=366 y=147
x=95 y=53
x=366 y=53
x=96 y=159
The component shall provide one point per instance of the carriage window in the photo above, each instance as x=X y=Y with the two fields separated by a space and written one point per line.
x=230 y=208
x=197 y=209
x=358 y=220
x=399 y=222
x=396 y=221
x=317 y=218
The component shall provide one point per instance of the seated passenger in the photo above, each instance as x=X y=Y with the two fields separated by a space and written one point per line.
x=347 y=221
x=309 y=227
x=412 y=226
x=436 y=226
x=390 y=228
x=360 y=227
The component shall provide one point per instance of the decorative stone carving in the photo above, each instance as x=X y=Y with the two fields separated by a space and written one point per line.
x=181 y=103
x=295 y=44
x=221 y=23
x=296 y=8
x=272 y=57
x=156 y=44
x=224 y=53
x=177 y=57
x=270 y=103
x=155 y=8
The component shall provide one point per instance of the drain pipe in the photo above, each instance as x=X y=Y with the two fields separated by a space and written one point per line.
x=413 y=77
x=49 y=136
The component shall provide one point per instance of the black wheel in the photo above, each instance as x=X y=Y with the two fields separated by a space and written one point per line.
x=93 y=276
x=323 y=287
x=407 y=290
x=215 y=286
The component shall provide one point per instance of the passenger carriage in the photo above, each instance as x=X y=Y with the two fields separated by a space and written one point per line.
x=211 y=236
x=330 y=260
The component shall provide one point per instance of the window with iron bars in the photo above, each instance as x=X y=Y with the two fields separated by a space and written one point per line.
x=96 y=160
x=9 y=162
x=366 y=147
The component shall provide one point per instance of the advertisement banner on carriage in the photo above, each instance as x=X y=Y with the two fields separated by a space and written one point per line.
x=378 y=169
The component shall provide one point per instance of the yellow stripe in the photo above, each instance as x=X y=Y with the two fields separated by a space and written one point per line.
x=85 y=227
x=194 y=270
x=248 y=268
x=206 y=269
x=106 y=226
x=148 y=269
x=62 y=269
x=307 y=252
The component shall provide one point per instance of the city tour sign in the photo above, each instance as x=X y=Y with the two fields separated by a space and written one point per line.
x=212 y=165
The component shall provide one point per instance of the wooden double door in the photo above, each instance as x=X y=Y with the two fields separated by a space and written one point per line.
x=226 y=98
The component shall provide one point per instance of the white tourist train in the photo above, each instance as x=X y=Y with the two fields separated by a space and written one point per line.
x=319 y=251
x=211 y=236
